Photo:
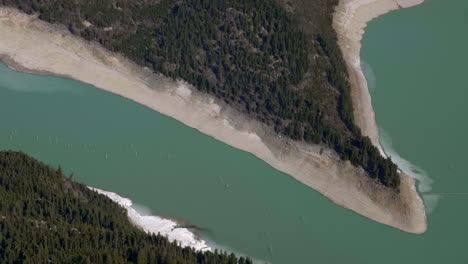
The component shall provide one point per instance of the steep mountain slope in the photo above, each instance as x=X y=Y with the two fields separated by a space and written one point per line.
x=48 y=218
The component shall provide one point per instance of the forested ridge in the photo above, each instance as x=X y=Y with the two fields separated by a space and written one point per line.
x=275 y=60
x=48 y=218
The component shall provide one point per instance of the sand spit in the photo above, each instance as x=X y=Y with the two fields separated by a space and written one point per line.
x=31 y=45
x=155 y=224
x=349 y=21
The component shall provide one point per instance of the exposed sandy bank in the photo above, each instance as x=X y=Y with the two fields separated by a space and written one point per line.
x=350 y=20
x=155 y=224
x=30 y=45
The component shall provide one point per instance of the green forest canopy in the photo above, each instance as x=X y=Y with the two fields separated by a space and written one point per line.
x=275 y=60
x=48 y=218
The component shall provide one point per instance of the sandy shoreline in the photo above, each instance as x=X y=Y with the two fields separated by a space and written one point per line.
x=155 y=224
x=350 y=21
x=33 y=46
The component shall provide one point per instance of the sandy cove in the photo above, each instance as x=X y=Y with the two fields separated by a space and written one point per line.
x=350 y=21
x=31 y=45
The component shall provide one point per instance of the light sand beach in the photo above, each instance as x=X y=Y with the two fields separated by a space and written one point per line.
x=350 y=21
x=31 y=45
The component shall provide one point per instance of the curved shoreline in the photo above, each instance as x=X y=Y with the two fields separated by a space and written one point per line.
x=31 y=45
x=154 y=224
x=350 y=21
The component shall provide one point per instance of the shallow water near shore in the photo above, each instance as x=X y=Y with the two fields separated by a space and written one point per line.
x=416 y=61
x=238 y=201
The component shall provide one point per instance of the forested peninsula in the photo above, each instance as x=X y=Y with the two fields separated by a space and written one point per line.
x=46 y=217
x=275 y=60
x=279 y=79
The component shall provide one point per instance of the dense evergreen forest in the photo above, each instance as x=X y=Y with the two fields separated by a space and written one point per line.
x=276 y=60
x=47 y=218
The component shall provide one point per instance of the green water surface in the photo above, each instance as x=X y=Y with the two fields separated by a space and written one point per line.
x=238 y=201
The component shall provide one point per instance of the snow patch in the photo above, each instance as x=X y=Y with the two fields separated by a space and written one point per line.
x=156 y=224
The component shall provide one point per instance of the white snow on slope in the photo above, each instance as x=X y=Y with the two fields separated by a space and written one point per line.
x=156 y=224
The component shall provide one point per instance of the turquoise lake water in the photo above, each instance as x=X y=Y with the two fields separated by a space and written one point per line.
x=418 y=58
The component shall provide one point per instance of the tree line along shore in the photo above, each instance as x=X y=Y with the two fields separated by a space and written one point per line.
x=46 y=217
x=276 y=61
